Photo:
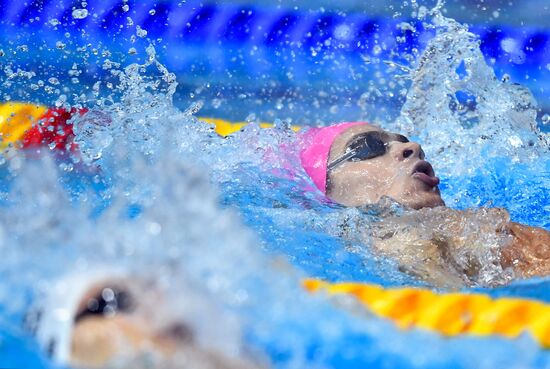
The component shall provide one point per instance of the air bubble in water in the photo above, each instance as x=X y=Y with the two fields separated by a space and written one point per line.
x=546 y=120
x=152 y=12
x=80 y=13
x=125 y=8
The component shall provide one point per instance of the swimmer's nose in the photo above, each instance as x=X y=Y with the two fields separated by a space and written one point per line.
x=408 y=150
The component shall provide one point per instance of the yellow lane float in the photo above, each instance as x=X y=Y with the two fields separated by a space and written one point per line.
x=225 y=128
x=17 y=118
x=450 y=314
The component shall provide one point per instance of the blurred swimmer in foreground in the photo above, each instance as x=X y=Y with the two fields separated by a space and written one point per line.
x=108 y=318
x=359 y=164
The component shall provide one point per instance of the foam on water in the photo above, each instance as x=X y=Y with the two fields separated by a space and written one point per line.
x=161 y=195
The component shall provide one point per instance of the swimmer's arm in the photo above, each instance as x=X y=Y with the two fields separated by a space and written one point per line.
x=529 y=250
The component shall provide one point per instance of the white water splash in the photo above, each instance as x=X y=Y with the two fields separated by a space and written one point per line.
x=459 y=109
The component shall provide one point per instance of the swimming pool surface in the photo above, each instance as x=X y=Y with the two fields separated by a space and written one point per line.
x=159 y=192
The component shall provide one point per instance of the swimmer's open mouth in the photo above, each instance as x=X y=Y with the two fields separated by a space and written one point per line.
x=424 y=172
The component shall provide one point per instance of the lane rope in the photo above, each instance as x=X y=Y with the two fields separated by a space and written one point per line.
x=449 y=314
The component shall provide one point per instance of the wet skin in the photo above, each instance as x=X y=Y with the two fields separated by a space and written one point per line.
x=401 y=174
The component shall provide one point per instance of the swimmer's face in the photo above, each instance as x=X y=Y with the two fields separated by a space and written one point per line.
x=400 y=173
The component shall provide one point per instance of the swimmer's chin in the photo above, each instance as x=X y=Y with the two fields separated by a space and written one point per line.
x=416 y=200
x=425 y=200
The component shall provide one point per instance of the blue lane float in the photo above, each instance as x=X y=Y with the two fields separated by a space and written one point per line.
x=212 y=22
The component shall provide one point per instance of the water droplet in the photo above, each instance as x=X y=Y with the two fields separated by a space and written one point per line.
x=140 y=32
x=515 y=141
x=252 y=118
x=80 y=13
x=154 y=228
x=216 y=103
x=66 y=167
x=194 y=108
x=61 y=100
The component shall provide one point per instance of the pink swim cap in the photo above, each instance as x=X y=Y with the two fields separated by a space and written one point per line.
x=314 y=157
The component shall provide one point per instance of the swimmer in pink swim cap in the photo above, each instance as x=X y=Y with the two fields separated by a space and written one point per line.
x=359 y=164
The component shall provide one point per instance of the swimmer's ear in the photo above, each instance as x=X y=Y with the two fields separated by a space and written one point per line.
x=328 y=188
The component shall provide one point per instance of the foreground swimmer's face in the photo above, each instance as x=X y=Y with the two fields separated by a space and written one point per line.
x=132 y=328
x=400 y=172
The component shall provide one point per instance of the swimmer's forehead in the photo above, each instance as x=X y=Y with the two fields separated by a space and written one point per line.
x=342 y=141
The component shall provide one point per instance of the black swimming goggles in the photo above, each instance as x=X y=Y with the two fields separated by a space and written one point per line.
x=367 y=145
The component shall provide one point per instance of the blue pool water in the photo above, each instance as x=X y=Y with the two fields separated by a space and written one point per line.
x=167 y=197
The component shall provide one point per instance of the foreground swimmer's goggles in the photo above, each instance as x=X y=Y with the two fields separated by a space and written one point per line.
x=367 y=145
